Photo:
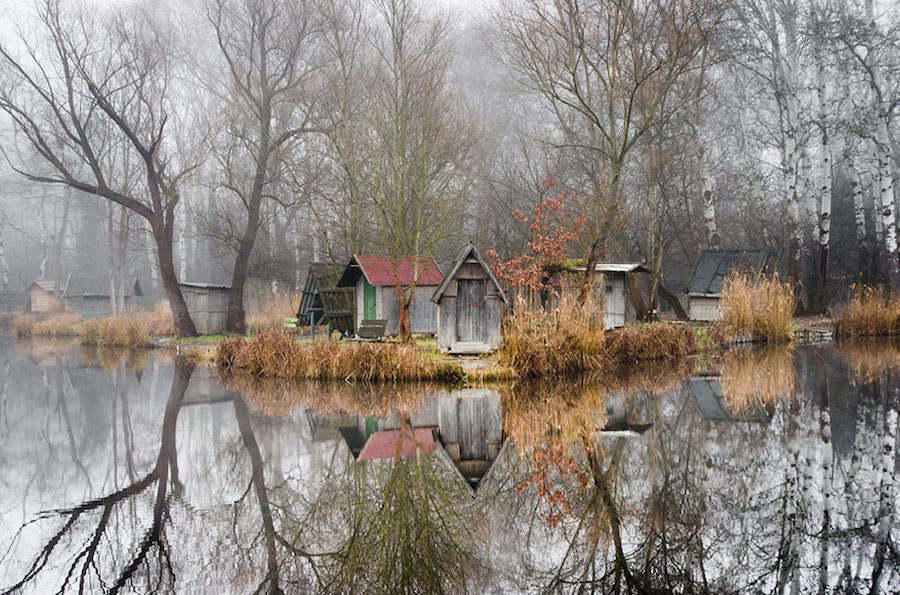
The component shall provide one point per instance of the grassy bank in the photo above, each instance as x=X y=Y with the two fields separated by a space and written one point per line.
x=869 y=312
x=278 y=355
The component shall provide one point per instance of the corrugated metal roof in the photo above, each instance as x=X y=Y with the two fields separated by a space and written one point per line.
x=46 y=284
x=627 y=267
x=204 y=285
x=98 y=286
x=379 y=271
x=393 y=443
x=714 y=265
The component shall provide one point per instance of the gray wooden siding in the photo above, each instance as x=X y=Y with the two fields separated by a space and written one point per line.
x=208 y=308
x=705 y=308
x=462 y=322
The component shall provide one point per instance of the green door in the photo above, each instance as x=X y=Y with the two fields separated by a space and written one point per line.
x=368 y=301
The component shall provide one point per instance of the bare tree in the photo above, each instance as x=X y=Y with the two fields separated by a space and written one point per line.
x=605 y=68
x=271 y=52
x=94 y=90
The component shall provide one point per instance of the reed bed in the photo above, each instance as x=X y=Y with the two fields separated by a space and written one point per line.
x=114 y=331
x=23 y=325
x=762 y=310
x=278 y=355
x=268 y=313
x=570 y=339
x=658 y=340
x=566 y=340
x=869 y=312
x=757 y=377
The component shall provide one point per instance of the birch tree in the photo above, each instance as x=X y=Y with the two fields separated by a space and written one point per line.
x=604 y=69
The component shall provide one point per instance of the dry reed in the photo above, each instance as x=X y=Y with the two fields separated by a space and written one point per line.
x=570 y=339
x=869 y=312
x=278 y=355
x=114 y=331
x=269 y=313
x=762 y=310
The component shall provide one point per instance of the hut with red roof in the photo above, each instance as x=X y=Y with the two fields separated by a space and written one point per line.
x=375 y=279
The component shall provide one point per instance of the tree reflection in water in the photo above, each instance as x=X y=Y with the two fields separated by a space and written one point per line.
x=766 y=471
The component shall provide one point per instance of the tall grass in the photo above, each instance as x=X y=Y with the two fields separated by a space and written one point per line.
x=269 y=312
x=114 y=331
x=762 y=310
x=869 y=312
x=278 y=355
x=571 y=339
x=565 y=340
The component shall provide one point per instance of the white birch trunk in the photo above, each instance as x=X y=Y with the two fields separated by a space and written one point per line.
x=859 y=207
x=886 y=204
x=875 y=193
x=709 y=206
x=825 y=164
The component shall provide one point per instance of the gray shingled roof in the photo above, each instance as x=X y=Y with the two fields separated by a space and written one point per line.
x=714 y=265
x=98 y=286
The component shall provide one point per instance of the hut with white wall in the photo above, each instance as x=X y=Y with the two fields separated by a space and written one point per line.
x=708 y=278
x=375 y=282
x=42 y=297
x=469 y=306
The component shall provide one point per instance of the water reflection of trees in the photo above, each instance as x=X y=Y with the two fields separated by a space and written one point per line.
x=720 y=504
x=92 y=518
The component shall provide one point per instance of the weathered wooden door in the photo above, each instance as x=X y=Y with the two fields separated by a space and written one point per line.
x=369 y=301
x=470 y=311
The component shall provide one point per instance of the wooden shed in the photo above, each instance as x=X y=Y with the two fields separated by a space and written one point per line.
x=41 y=297
x=705 y=286
x=617 y=287
x=90 y=294
x=469 y=306
x=207 y=305
x=375 y=282
x=323 y=302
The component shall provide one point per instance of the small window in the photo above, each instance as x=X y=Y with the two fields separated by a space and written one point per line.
x=609 y=289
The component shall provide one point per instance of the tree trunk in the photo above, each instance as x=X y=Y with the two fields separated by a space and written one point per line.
x=888 y=223
x=184 y=325
x=709 y=207
x=824 y=188
x=404 y=302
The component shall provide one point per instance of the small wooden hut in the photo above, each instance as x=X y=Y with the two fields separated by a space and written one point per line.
x=207 y=305
x=42 y=298
x=325 y=303
x=705 y=286
x=469 y=306
x=376 y=298
x=619 y=290
x=90 y=294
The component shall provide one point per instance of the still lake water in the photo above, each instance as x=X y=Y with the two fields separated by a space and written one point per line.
x=758 y=472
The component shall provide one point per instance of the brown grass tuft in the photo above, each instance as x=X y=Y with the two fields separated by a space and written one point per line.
x=869 y=312
x=278 y=355
x=115 y=331
x=23 y=325
x=762 y=310
x=570 y=340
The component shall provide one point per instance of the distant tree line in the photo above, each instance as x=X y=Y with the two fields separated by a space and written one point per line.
x=237 y=140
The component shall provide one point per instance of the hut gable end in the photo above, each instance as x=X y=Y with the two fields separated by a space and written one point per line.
x=468 y=265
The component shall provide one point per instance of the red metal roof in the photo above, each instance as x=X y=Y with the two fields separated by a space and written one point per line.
x=379 y=270
x=393 y=443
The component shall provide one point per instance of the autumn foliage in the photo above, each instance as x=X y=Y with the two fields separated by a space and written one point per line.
x=549 y=236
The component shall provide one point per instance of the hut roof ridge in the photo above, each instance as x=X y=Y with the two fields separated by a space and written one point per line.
x=467 y=250
x=379 y=271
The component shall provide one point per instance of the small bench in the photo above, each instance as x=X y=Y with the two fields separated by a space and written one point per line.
x=371 y=330
x=290 y=324
x=89 y=314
